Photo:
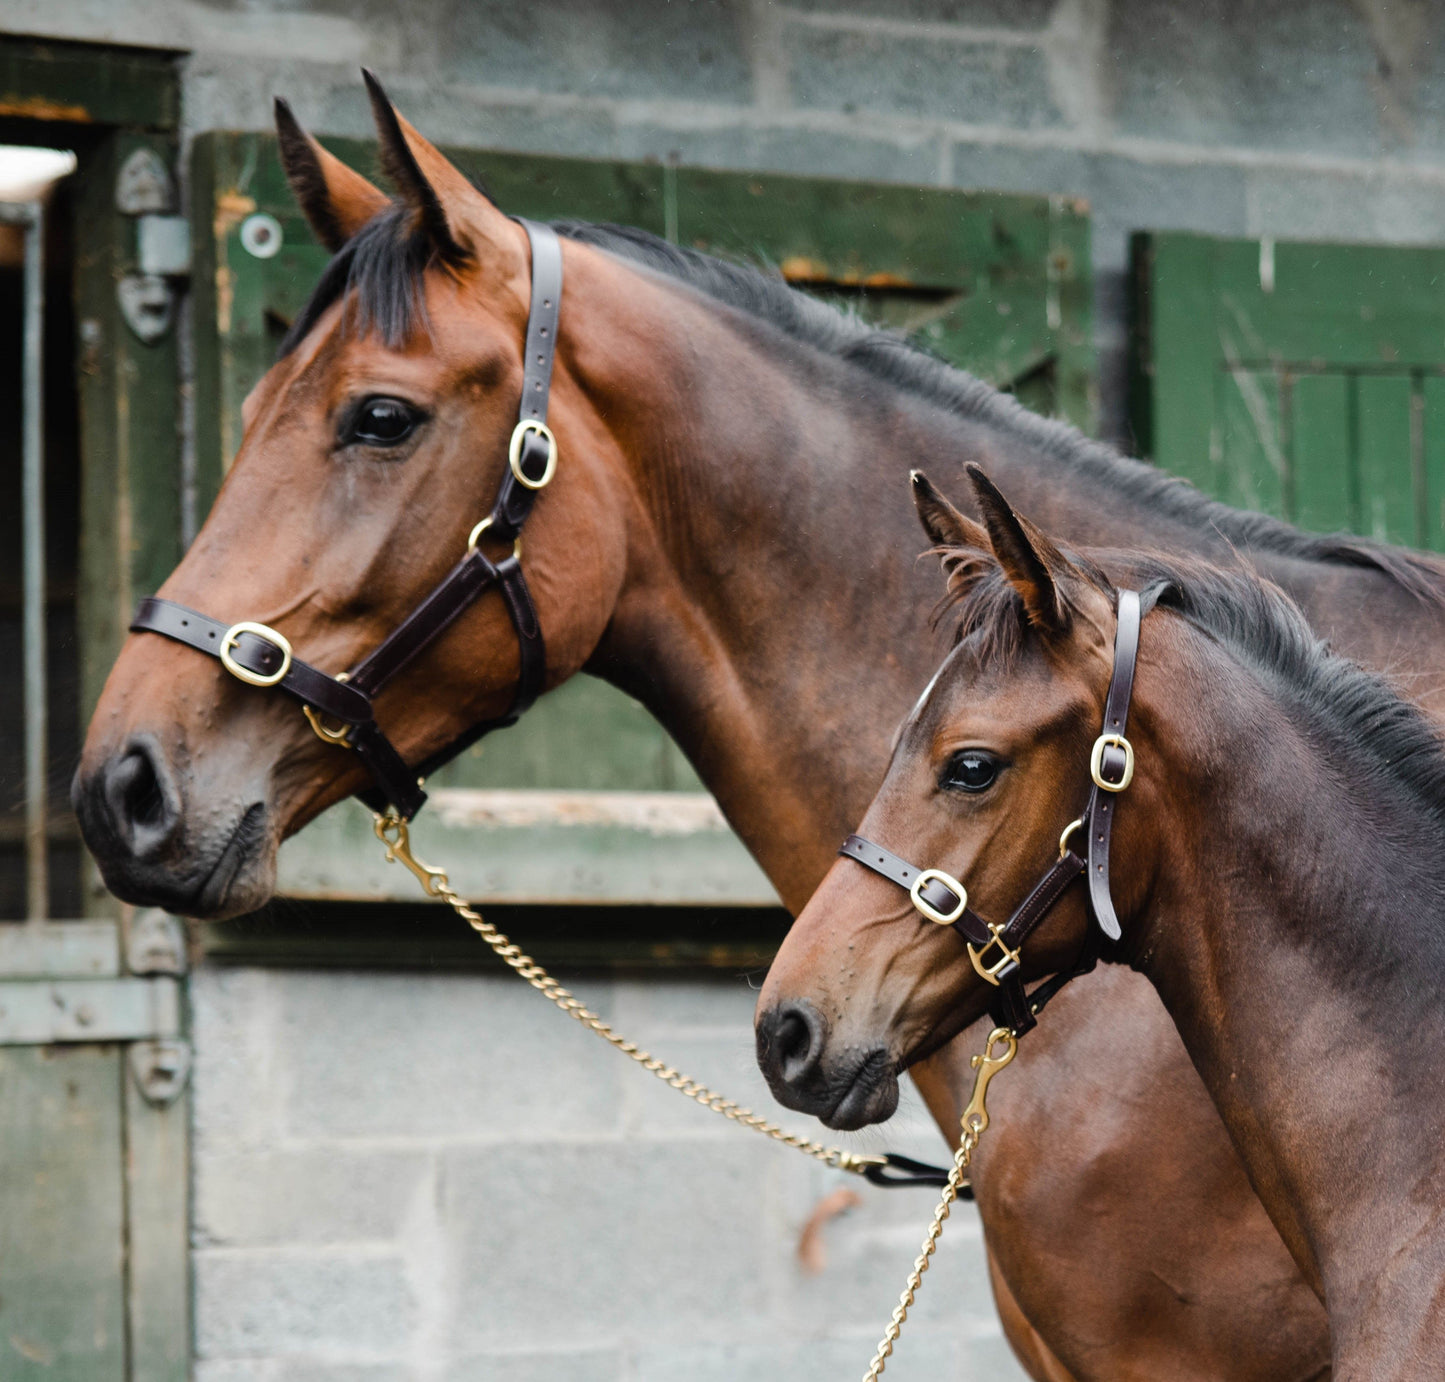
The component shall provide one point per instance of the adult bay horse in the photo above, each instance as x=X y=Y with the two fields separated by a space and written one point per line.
x=725 y=539
x=1271 y=855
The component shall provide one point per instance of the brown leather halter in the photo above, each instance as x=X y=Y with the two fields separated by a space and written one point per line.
x=994 y=950
x=260 y=656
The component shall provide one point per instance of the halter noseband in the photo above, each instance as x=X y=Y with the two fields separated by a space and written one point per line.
x=994 y=950
x=340 y=707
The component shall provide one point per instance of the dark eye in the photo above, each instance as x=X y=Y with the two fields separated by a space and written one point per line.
x=381 y=422
x=970 y=770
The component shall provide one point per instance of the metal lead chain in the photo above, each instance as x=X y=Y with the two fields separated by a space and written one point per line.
x=975 y=1120
x=392 y=832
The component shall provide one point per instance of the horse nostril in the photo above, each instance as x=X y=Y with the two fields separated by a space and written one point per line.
x=795 y=1041
x=136 y=799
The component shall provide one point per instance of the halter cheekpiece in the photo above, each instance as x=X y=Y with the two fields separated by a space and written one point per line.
x=340 y=707
x=994 y=950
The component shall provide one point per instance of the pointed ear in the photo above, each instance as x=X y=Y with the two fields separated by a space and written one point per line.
x=944 y=524
x=460 y=222
x=335 y=200
x=1033 y=565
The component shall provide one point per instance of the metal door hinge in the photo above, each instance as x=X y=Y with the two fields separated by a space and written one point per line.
x=44 y=1012
x=155 y=943
x=161 y=1070
x=145 y=190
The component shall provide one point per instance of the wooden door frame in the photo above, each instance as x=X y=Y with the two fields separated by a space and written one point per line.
x=105 y=103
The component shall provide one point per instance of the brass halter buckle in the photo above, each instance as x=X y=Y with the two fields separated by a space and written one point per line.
x=476 y=536
x=514 y=453
x=232 y=636
x=989 y=971
x=930 y=911
x=1096 y=762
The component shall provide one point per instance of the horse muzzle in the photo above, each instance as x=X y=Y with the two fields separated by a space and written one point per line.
x=844 y=1085
x=155 y=849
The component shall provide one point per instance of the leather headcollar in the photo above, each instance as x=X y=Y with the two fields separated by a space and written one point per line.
x=262 y=656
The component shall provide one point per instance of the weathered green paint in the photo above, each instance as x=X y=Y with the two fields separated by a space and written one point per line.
x=62 y=1215
x=130 y=442
x=81 y=83
x=157 y=1171
x=93 y=1183
x=537 y=859
x=1300 y=379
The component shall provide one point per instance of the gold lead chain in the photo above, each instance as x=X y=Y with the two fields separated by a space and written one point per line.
x=975 y=1120
x=393 y=834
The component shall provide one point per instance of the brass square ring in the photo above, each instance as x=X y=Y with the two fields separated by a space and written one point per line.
x=232 y=637
x=1096 y=762
x=931 y=912
x=514 y=453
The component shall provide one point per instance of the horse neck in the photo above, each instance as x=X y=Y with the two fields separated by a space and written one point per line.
x=1291 y=929
x=774 y=615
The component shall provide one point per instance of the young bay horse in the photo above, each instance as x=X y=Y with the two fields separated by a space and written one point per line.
x=726 y=539
x=1271 y=869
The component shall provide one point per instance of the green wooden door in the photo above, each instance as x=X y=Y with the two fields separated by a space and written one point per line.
x=1305 y=380
x=569 y=799
x=93 y=1173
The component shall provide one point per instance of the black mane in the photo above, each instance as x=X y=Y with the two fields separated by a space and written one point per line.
x=381 y=270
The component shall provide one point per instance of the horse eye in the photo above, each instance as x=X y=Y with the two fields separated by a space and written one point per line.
x=381 y=422
x=971 y=770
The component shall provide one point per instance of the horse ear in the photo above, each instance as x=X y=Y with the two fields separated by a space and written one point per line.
x=335 y=200
x=944 y=524
x=460 y=222
x=1033 y=565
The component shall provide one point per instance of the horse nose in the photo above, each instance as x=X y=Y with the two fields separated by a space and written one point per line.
x=135 y=797
x=790 y=1041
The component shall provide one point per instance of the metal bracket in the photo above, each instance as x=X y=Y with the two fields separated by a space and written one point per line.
x=155 y=943
x=144 y=185
x=145 y=189
x=147 y=304
x=163 y=245
x=47 y=1012
x=161 y=1070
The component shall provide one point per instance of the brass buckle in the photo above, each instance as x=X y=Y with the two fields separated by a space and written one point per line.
x=476 y=536
x=991 y=972
x=324 y=732
x=514 y=453
x=1068 y=831
x=1096 y=761
x=229 y=641
x=932 y=913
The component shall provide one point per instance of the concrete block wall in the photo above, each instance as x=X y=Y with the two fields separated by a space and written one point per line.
x=401 y=1178
x=1304 y=118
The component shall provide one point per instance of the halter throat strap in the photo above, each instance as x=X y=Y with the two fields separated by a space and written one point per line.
x=994 y=950
x=262 y=656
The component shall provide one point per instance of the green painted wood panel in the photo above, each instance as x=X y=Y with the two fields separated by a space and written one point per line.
x=85 y=84
x=1301 y=379
x=62 y=1215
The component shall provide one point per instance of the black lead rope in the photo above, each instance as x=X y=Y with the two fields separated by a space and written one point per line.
x=340 y=708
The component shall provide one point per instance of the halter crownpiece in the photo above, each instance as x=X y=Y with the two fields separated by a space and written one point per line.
x=340 y=707
x=994 y=950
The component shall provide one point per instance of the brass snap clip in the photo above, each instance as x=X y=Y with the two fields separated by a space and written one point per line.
x=233 y=635
x=392 y=832
x=1096 y=762
x=975 y=1116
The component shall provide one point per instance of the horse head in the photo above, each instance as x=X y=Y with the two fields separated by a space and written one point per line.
x=987 y=771
x=371 y=449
